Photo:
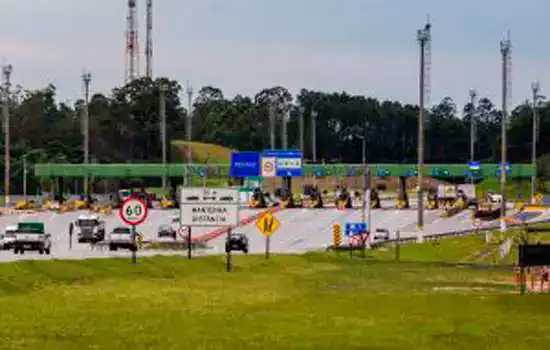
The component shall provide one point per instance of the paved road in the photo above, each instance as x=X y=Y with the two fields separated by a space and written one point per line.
x=301 y=230
x=58 y=226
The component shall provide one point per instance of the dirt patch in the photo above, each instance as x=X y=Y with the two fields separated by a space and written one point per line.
x=463 y=289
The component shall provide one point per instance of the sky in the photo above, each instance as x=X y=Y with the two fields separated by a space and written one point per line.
x=366 y=47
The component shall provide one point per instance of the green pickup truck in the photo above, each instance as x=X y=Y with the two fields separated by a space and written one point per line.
x=32 y=236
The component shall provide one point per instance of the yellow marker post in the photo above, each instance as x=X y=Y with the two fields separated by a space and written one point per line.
x=267 y=224
x=336 y=235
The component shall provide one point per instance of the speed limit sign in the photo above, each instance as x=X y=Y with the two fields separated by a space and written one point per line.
x=133 y=211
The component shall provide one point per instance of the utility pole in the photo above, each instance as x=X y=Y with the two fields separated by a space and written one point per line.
x=505 y=50
x=25 y=176
x=162 y=115
x=86 y=78
x=364 y=144
x=6 y=72
x=473 y=122
x=301 y=128
x=424 y=38
x=189 y=130
x=314 y=115
x=286 y=119
x=272 y=117
x=535 y=88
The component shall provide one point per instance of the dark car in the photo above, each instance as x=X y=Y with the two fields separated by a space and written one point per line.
x=166 y=231
x=237 y=241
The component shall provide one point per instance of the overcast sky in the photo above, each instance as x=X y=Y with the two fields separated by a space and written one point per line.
x=360 y=46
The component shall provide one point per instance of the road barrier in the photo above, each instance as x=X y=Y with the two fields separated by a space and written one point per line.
x=434 y=236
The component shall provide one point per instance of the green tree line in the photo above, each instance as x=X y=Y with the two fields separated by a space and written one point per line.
x=124 y=125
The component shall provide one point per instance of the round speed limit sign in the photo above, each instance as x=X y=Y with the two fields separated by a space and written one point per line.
x=133 y=211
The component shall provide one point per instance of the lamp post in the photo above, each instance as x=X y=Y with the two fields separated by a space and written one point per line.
x=6 y=71
x=86 y=79
x=162 y=117
x=535 y=88
x=314 y=115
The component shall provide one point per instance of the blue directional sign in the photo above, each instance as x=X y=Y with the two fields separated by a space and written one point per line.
x=245 y=164
x=288 y=162
x=507 y=167
x=202 y=173
x=355 y=228
x=474 y=165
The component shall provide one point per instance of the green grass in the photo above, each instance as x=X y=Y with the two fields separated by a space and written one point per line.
x=514 y=188
x=204 y=153
x=452 y=249
x=316 y=301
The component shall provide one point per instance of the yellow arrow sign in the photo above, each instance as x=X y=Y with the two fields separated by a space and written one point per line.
x=268 y=224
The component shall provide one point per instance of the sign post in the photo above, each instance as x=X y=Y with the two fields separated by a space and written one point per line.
x=208 y=207
x=133 y=212
x=267 y=224
x=189 y=241
x=228 y=263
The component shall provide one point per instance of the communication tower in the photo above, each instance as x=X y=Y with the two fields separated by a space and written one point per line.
x=132 y=43
x=149 y=40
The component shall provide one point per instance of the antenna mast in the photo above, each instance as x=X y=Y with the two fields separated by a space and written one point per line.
x=149 y=41
x=132 y=57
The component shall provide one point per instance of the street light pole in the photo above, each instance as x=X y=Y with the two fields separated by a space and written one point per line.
x=535 y=88
x=505 y=47
x=189 y=130
x=86 y=79
x=272 y=117
x=314 y=115
x=6 y=71
x=25 y=176
x=423 y=37
x=301 y=128
x=162 y=117
x=473 y=120
x=286 y=119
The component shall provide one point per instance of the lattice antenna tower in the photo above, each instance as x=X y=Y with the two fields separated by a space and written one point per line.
x=427 y=62
x=506 y=51
x=132 y=43
x=149 y=40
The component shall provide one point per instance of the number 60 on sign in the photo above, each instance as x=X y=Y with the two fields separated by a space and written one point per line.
x=133 y=211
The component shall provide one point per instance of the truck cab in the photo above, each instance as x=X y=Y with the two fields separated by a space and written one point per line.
x=123 y=238
x=90 y=229
x=32 y=236
x=8 y=237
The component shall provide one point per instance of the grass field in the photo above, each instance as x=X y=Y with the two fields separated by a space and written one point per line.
x=316 y=301
x=202 y=153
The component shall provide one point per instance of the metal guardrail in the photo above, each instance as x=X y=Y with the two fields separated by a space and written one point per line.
x=434 y=236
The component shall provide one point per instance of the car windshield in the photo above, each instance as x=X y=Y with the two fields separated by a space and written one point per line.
x=87 y=222
x=122 y=230
x=165 y=228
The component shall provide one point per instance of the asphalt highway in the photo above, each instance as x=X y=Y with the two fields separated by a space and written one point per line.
x=300 y=230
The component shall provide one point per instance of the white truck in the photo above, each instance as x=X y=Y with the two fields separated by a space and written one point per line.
x=32 y=236
x=122 y=237
x=90 y=229
x=8 y=237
